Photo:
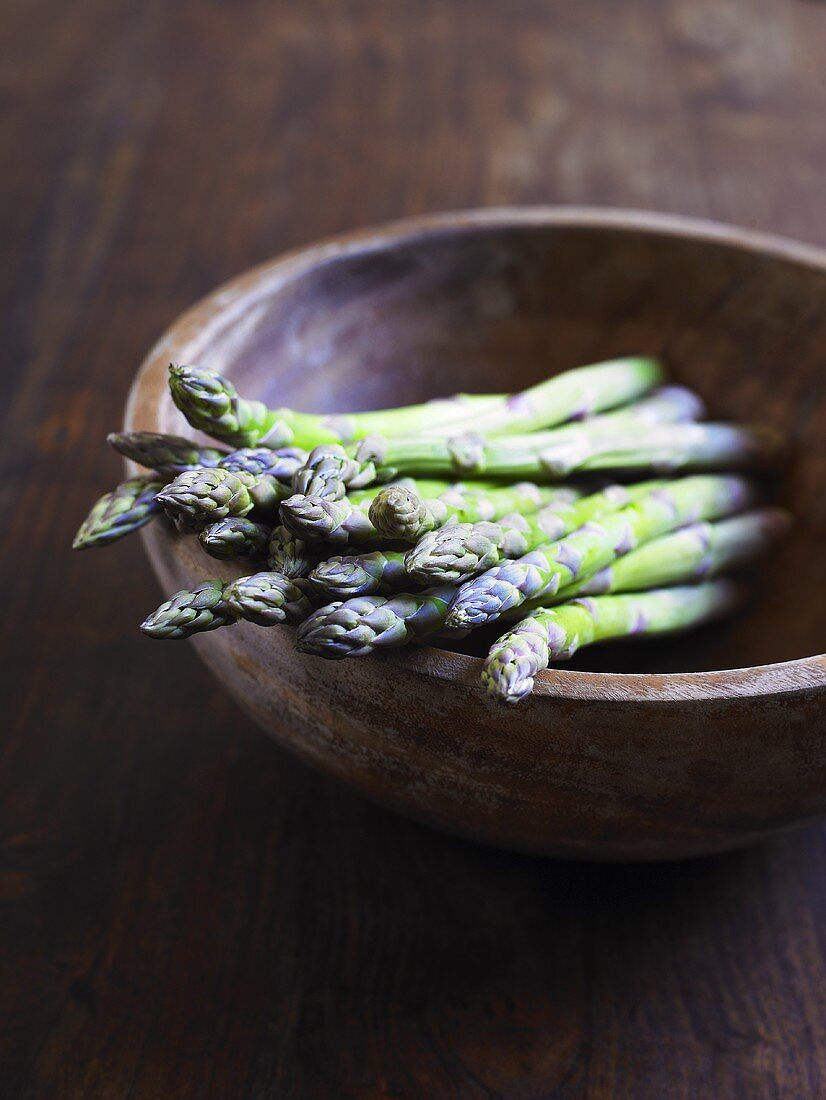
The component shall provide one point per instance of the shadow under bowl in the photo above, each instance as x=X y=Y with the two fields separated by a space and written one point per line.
x=684 y=747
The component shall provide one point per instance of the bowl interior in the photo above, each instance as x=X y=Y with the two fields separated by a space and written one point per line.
x=406 y=317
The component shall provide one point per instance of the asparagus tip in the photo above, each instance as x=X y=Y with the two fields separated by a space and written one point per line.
x=510 y=684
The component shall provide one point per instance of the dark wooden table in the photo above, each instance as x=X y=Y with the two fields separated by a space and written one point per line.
x=186 y=912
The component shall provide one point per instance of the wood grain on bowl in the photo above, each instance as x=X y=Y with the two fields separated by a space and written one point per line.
x=665 y=755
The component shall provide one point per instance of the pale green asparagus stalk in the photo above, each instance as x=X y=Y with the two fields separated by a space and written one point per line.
x=379 y=571
x=168 y=454
x=546 y=456
x=461 y=550
x=580 y=393
x=693 y=553
x=127 y=507
x=401 y=513
x=359 y=626
x=554 y=634
x=547 y=569
x=543 y=456
x=236 y=539
x=212 y=404
x=698 y=552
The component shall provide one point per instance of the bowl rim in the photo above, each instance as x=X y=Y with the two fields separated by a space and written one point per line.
x=231 y=299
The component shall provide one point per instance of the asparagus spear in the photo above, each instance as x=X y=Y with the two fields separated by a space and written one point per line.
x=171 y=455
x=213 y=405
x=553 y=634
x=697 y=552
x=198 y=497
x=330 y=470
x=547 y=569
x=399 y=512
x=553 y=456
x=168 y=454
x=317 y=518
x=126 y=508
x=460 y=550
x=236 y=539
x=263 y=598
x=188 y=613
x=578 y=393
x=264 y=461
x=287 y=554
x=267 y=598
x=361 y=574
x=356 y=627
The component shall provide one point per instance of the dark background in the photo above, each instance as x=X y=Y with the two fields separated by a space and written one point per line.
x=186 y=912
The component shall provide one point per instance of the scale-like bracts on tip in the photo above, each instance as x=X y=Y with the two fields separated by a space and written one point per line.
x=212 y=404
x=126 y=508
x=402 y=513
x=376 y=572
x=356 y=627
x=265 y=598
x=236 y=539
x=461 y=550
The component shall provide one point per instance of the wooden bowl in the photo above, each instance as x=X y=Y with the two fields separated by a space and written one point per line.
x=637 y=752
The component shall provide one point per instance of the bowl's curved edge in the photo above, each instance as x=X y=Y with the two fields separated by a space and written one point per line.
x=216 y=310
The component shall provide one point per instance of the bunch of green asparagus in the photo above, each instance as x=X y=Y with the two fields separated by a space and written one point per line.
x=595 y=505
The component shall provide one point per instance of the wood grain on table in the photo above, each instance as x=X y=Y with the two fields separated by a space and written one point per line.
x=185 y=911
